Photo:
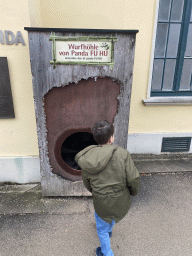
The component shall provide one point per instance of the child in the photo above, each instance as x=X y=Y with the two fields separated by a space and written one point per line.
x=109 y=173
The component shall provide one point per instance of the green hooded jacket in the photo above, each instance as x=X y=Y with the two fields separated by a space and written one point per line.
x=109 y=173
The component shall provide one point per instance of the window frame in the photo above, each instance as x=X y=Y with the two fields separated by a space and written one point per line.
x=164 y=98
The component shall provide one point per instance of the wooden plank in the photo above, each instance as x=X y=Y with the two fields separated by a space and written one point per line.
x=45 y=77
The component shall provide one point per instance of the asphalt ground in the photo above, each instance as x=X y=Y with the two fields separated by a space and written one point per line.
x=158 y=223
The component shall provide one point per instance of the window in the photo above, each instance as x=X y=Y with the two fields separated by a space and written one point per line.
x=172 y=66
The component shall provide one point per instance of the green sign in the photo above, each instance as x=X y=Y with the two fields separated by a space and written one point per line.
x=83 y=50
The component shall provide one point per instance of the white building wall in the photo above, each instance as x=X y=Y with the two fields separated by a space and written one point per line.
x=20 y=169
x=150 y=143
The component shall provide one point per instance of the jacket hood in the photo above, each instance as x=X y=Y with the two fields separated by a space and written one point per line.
x=94 y=158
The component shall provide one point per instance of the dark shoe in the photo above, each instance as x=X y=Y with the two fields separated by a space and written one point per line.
x=98 y=252
x=110 y=234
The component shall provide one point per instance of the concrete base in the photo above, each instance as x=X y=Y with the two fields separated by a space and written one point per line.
x=166 y=163
x=145 y=163
x=56 y=186
x=20 y=169
x=25 y=199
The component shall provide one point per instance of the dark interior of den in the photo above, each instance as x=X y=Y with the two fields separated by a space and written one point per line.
x=73 y=145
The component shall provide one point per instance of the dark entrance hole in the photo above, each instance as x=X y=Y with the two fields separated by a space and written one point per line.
x=74 y=144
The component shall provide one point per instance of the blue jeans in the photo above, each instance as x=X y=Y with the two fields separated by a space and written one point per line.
x=103 y=229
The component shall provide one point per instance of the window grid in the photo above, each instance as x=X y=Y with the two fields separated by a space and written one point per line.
x=163 y=75
x=181 y=47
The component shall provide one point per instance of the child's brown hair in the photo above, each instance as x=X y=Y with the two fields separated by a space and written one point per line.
x=102 y=132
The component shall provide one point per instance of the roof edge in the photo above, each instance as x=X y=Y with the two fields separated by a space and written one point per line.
x=81 y=30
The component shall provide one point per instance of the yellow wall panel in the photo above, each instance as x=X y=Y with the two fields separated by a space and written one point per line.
x=18 y=136
x=83 y=14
